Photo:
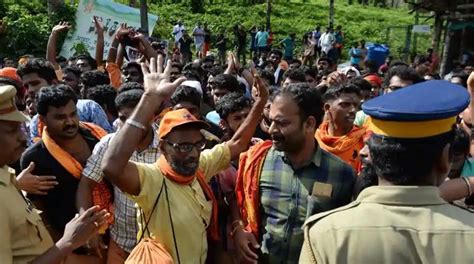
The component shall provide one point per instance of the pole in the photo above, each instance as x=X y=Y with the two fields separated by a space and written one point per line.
x=445 y=64
x=269 y=10
x=415 y=35
x=331 y=13
x=144 y=17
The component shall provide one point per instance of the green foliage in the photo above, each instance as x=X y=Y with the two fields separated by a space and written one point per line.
x=28 y=23
x=28 y=26
x=357 y=21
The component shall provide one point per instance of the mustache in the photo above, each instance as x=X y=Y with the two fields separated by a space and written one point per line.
x=278 y=137
x=70 y=127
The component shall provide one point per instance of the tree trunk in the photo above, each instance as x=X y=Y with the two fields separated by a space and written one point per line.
x=331 y=13
x=269 y=10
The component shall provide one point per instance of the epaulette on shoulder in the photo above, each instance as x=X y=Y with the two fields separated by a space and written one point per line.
x=315 y=218
x=461 y=206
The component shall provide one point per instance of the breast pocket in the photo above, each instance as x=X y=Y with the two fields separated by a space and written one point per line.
x=34 y=225
x=318 y=205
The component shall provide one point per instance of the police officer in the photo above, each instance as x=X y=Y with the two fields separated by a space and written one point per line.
x=24 y=238
x=403 y=219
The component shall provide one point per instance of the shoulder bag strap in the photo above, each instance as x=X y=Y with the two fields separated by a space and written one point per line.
x=171 y=221
x=151 y=214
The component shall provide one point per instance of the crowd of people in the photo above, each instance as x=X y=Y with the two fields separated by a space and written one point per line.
x=283 y=159
x=257 y=42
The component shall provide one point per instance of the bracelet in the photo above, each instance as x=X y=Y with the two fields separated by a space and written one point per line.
x=239 y=222
x=469 y=189
x=112 y=48
x=135 y=124
x=235 y=229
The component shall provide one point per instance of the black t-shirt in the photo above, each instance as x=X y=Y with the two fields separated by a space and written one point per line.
x=185 y=45
x=207 y=35
x=60 y=202
x=223 y=43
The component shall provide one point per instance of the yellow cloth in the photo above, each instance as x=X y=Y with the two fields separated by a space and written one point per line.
x=402 y=224
x=23 y=234
x=190 y=210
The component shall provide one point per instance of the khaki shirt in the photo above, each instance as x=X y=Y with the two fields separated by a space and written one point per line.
x=190 y=210
x=23 y=235
x=391 y=224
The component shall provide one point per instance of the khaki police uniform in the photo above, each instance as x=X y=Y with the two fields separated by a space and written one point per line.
x=391 y=224
x=399 y=224
x=23 y=235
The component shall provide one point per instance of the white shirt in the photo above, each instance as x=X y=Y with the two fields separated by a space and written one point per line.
x=178 y=32
x=326 y=41
x=199 y=37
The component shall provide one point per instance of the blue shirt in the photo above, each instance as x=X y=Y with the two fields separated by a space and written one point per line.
x=262 y=38
x=88 y=111
x=289 y=47
x=356 y=55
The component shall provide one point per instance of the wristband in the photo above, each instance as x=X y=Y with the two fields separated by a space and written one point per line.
x=135 y=124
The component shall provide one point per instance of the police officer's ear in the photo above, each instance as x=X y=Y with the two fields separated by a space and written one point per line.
x=443 y=165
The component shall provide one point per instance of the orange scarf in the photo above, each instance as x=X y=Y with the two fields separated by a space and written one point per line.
x=247 y=186
x=345 y=147
x=64 y=158
x=101 y=193
x=165 y=168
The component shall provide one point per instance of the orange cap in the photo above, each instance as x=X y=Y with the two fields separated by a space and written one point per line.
x=10 y=73
x=177 y=118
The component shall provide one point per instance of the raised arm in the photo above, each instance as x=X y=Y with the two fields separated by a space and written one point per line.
x=99 y=47
x=52 y=42
x=241 y=139
x=121 y=32
x=115 y=164
x=145 y=47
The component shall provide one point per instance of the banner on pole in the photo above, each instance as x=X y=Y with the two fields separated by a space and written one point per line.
x=111 y=14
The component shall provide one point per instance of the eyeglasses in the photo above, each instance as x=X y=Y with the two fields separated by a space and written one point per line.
x=394 y=88
x=187 y=147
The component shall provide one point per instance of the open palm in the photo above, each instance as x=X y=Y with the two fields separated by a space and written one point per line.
x=157 y=79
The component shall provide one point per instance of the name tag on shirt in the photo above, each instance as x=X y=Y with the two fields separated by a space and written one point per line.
x=321 y=189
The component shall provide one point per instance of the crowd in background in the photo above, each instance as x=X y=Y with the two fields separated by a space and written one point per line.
x=276 y=131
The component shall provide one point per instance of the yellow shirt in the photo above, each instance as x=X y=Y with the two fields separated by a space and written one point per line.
x=190 y=211
x=391 y=224
x=23 y=235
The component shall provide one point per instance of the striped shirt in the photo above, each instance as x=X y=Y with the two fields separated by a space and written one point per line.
x=124 y=230
x=287 y=199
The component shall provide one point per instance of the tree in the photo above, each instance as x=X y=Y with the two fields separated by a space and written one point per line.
x=54 y=6
x=197 y=6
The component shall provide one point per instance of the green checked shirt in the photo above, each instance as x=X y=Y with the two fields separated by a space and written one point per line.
x=287 y=199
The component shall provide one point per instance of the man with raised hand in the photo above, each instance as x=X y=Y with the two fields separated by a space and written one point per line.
x=187 y=206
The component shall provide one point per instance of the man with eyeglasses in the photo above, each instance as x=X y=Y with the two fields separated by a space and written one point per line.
x=400 y=76
x=186 y=207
